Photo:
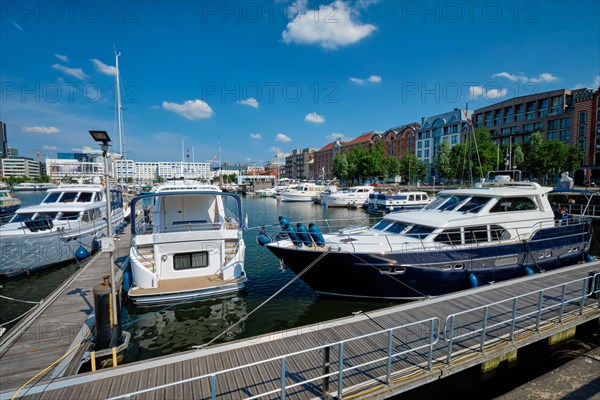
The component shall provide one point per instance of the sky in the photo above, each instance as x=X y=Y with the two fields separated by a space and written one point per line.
x=262 y=77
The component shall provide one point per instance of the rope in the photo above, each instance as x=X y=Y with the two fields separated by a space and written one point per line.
x=21 y=301
x=265 y=302
x=17 y=318
x=46 y=369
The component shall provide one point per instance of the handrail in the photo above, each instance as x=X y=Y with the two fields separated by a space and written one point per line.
x=590 y=286
x=432 y=336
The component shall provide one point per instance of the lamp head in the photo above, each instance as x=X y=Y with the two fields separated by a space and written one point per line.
x=101 y=136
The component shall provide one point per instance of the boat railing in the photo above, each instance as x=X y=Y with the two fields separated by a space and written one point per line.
x=508 y=319
x=348 y=359
x=139 y=255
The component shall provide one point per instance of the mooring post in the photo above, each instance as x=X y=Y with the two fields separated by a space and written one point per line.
x=326 y=364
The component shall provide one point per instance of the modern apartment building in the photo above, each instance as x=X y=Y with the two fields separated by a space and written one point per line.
x=20 y=167
x=517 y=118
x=446 y=127
x=299 y=164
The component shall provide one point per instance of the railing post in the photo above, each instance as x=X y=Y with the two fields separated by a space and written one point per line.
x=213 y=387
x=514 y=318
x=539 y=315
x=389 y=360
x=483 y=328
x=326 y=364
x=450 y=340
x=562 y=302
x=431 y=335
x=583 y=295
x=341 y=371
x=282 y=396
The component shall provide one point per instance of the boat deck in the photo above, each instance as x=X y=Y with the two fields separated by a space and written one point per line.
x=61 y=320
x=185 y=285
x=430 y=339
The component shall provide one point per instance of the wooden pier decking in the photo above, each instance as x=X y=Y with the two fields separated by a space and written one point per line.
x=63 y=318
x=455 y=343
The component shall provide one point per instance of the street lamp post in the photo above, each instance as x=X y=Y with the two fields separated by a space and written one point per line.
x=104 y=140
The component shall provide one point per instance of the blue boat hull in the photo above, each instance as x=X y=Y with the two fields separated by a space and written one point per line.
x=412 y=275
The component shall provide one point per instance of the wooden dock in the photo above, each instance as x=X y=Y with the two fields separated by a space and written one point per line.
x=367 y=356
x=61 y=321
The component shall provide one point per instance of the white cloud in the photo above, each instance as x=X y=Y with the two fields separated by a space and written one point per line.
x=84 y=149
x=371 y=79
x=17 y=26
x=103 y=68
x=251 y=101
x=491 y=94
x=45 y=130
x=191 y=109
x=330 y=26
x=596 y=82
x=256 y=136
x=278 y=152
x=280 y=137
x=155 y=107
x=62 y=57
x=314 y=118
x=521 y=77
x=75 y=72
x=336 y=136
x=51 y=148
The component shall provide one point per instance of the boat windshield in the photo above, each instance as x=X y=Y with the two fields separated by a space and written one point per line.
x=381 y=225
x=474 y=204
x=52 y=197
x=22 y=217
x=45 y=215
x=446 y=202
x=85 y=197
x=419 y=231
x=68 y=197
x=69 y=216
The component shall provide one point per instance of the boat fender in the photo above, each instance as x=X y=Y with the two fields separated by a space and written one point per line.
x=289 y=230
x=127 y=279
x=589 y=258
x=529 y=271
x=81 y=253
x=315 y=234
x=303 y=234
x=473 y=281
x=263 y=238
x=95 y=245
x=283 y=221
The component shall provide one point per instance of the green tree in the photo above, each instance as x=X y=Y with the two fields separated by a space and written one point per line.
x=441 y=161
x=534 y=163
x=376 y=166
x=412 y=168
x=574 y=159
x=392 y=167
x=341 y=168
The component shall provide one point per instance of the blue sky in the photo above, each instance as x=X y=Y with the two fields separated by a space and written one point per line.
x=269 y=75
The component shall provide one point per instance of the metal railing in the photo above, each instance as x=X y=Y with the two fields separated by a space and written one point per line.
x=504 y=319
x=382 y=349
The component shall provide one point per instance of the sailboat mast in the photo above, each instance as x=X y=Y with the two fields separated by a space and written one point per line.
x=220 y=172
x=469 y=133
x=119 y=106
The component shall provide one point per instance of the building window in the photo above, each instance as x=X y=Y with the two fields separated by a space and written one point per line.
x=582 y=117
x=538 y=127
x=565 y=123
x=581 y=131
x=427 y=153
x=454 y=139
x=552 y=125
x=565 y=136
x=552 y=135
x=582 y=144
x=528 y=128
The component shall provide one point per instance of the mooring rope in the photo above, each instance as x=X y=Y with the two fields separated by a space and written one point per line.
x=323 y=254
x=21 y=301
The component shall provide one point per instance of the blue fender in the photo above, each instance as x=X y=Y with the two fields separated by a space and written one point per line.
x=289 y=230
x=81 y=253
x=316 y=235
x=473 y=281
x=303 y=234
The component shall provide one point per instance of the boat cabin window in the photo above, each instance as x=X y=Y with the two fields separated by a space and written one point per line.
x=397 y=227
x=91 y=215
x=69 y=216
x=498 y=233
x=474 y=204
x=185 y=261
x=3 y=194
x=452 y=203
x=449 y=236
x=52 y=198
x=476 y=234
x=437 y=201
x=68 y=197
x=419 y=231
x=85 y=197
x=45 y=215
x=22 y=217
x=514 y=204
x=381 y=225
